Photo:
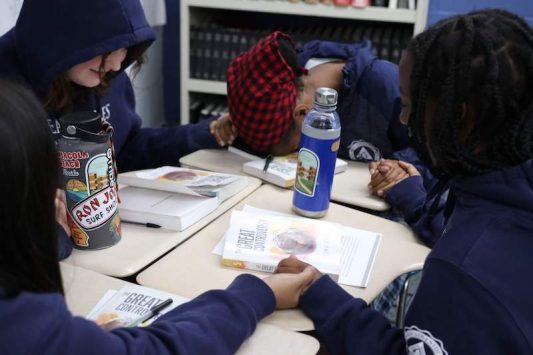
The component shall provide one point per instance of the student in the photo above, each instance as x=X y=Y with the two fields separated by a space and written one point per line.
x=467 y=92
x=73 y=54
x=32 y=307
x=271 y=88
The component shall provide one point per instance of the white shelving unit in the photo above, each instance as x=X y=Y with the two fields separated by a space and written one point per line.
x=379 y=14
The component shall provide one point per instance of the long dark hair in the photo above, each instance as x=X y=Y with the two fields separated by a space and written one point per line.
x=483 y=60
x=28 y=182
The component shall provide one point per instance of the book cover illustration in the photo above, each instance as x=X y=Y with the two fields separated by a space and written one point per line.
x=259 y=242
x=121 y=308
x=181 y=180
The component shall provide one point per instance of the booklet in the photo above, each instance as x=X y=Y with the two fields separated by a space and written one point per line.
x=130 y=305
x=186 y=181
x=358 y=250
x=281 y=171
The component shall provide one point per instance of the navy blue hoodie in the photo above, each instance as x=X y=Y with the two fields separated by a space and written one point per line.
x=475 y=294
x=52 y=36
x=216 y=322
x=369 y=102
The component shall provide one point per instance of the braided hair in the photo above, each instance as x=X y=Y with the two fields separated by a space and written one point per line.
x=482 y=61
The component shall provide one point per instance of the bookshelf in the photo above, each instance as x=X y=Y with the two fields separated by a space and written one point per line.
x=192 y=13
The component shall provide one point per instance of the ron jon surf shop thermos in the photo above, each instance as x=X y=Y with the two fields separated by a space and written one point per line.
x=89 y=180
x=319 y=144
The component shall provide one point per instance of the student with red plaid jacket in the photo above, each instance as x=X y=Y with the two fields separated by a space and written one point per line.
x=271 y=89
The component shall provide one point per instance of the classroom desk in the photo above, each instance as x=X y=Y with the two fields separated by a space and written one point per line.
x=141 y=245
x=349 y=187
x=83 y=289
x=192 y=269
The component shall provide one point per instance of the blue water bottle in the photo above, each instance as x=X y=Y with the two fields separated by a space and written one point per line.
x=319 y=145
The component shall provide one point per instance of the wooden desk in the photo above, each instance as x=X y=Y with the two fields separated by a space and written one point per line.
x=83 y=289
x=192 y=269
x=141 y=245
x=349 y=187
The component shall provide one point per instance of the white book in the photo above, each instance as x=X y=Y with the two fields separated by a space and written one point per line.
x=393 y=4
x=358 y=250
x=260 y=242
x=126 y=306
x=186 y=181
x=282 y=170
x=164 y=209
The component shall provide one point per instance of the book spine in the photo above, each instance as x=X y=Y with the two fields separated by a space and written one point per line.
x=240 y=264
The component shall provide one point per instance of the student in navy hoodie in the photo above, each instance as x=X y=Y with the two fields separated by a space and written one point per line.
x=32 y=306
x=271 y=88
x=73 y=54
x=467 y=91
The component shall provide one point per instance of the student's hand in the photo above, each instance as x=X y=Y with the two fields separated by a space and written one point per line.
x=387 y=173
x=288 y=288
x=293 y=265
x=223 y=130
x=61 y=210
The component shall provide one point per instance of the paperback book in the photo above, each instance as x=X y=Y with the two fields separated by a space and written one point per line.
x=259 y=242
x=186 y=181
x=163 y=209
x=174 y=198
x=132 y=305
x=358 y=249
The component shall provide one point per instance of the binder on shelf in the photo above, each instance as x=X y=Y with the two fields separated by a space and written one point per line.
x=208 y=54
x=216 y=59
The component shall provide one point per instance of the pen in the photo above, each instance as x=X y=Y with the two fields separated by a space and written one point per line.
x=149 y=225
x=154 y=311
x=268 y=160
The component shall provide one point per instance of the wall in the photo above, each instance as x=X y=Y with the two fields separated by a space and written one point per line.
x=439 y=9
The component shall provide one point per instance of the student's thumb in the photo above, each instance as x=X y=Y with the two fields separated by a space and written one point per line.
x=307 y=277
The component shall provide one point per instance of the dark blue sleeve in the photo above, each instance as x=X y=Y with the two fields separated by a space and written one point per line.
x=64 y=243
x=154 y=147
x=454 y=312
x=425 y=215
x=216 y=322
x=346 y=325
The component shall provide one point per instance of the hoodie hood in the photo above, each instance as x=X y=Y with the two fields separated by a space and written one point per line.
x=511 y=187
x=52 y=36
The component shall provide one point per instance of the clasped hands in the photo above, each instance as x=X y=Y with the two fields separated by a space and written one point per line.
x=386 y=173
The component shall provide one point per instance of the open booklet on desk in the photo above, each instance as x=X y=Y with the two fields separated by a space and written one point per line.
x=357 y=249
x=172 y=197
x=132 y=305
x=280 y=171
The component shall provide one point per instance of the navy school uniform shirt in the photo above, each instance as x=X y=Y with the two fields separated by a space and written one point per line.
x=216 y=322
x=474 y=296
x=369 y=102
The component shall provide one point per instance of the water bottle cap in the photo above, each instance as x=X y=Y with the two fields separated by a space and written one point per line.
x=86 y=125
x=326 y=97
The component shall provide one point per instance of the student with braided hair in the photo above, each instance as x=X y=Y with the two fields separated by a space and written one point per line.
x=467 y=84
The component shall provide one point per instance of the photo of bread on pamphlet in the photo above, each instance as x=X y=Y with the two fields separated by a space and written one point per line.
x=174 y=198
x=281 y=171
x=132 y=306
x=260 y=242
